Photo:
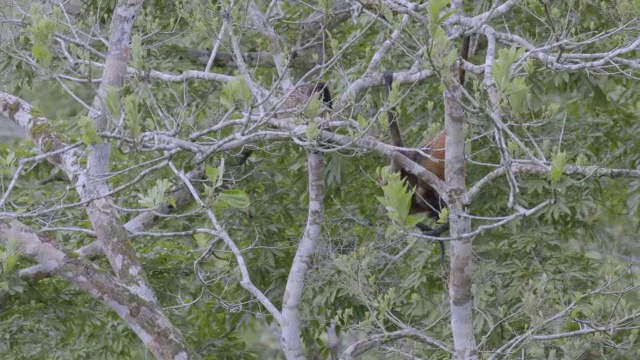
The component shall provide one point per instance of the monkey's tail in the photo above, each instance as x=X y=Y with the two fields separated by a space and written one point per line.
x=427 y=230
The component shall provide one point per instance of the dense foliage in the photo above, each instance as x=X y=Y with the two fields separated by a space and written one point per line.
x=577 y=256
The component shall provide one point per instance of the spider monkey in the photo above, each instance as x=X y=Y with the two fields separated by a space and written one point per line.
x=425 y=198
x=322 y=89
x=300 y=96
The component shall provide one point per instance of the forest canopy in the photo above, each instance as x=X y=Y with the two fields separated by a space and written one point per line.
x=224 y=179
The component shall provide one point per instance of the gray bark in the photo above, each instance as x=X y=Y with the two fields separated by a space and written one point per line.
x=291 y=338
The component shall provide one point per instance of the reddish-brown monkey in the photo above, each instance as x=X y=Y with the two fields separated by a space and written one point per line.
x=425 y=198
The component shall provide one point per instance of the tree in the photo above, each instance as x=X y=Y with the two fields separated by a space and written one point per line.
x=241 y=217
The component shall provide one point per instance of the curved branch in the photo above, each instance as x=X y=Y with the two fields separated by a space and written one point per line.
x=545 y=169
x=145 y=318
x=366 y=344
x=220 y=232
x=291 y=336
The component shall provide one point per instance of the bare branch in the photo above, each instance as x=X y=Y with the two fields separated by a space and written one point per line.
x=545 y=169
x=221 y=233
x=144 y=317
x=291 y=340
x=366 y=344
x=274 y=44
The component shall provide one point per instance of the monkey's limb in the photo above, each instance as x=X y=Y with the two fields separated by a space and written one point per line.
x=429 y=231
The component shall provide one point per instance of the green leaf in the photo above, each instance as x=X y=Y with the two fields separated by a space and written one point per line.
x=397 y=196
x=89 y=133
x=334 y=44
x=312 y=130
x=502 y=67
x=235 y=94
x=156 y=195
x=10 y=256
x=8 y=161
x=394 y=94
x=443 y=216
x=202 y=240
x=137 y=51
x=41 y=53
x=212 y=174
x=325 y=5
x=441 y=43
x=40 y=33
x=384 y=119
x=363 y=121
x=582 y=160
x=215 y=175
x=334 y=171
x=245 y=91
x=133 y=115
x=518 y=92
x=433 y=9
x=112 y=99
x=235 y=198
x=313 y=107
x=450 y=58
x=559 y=161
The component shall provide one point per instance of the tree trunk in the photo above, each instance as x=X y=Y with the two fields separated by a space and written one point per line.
x=460 y=250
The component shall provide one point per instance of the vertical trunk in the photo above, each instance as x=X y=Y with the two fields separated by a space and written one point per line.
x=460 y=254
x=291 y=339
x=461 y=262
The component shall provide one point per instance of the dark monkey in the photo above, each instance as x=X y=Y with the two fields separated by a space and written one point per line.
x=322 y=89
x=302 y=94
x=298 y=97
